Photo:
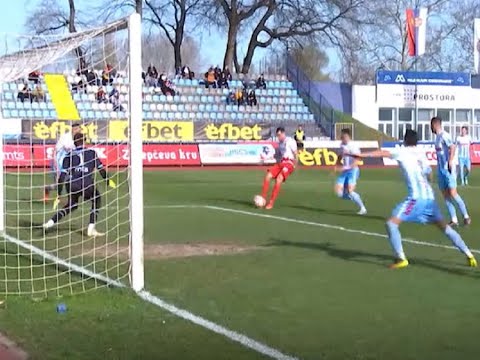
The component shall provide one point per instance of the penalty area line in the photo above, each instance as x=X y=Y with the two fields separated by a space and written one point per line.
x=155 y=300
x=305 y=222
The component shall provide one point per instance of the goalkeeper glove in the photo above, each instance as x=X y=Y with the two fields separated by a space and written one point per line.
x=56 y=203
x=112 y=184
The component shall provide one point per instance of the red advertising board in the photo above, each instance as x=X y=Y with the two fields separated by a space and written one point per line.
x=475 y=153
x=111 y=155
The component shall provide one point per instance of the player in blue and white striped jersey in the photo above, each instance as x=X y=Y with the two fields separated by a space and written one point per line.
x=447 y=172
x=420 y=205
x=464 y=141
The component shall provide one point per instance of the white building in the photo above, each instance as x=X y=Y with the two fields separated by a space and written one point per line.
x=395 y=105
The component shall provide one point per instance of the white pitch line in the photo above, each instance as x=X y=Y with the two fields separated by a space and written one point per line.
x=305 y=222
x=152 y=299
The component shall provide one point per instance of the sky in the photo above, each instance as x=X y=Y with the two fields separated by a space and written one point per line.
x=12 y=20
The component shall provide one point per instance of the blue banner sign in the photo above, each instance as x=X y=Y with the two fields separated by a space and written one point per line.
x=423 y=78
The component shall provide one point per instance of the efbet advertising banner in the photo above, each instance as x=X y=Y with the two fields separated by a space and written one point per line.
x=326 y=153
x=237 y=154
x=232 y=132
x=154 y=131
x=48 y=131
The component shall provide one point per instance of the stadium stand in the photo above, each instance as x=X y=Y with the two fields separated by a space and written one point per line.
x=279 y=103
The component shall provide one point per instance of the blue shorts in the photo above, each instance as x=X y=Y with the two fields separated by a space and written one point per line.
x=447 y=180
x=418 y=211
x=464 y=163
x=348 y=177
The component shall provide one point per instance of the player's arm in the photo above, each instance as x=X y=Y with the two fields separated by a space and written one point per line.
x=373 y=154
x=451 y=151
x=103 y=173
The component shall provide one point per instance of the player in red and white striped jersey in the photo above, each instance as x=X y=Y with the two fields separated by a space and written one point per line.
x=288 y=154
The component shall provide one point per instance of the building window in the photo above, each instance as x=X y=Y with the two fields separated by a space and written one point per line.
x=476 y=116
x=425 y=115
x=405 y=114
x=386 y=114
x=445 y=114
x=463 y=115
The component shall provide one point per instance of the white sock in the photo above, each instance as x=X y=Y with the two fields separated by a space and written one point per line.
x=91 y=227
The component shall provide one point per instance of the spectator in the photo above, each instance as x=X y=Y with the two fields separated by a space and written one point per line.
x=25 y=94
x=261 y=84
x=92 y=79
x=166 y=86
x=187 y=73
x=252 y=98
x=210 y=78
x=227 y=73
x=239 y=97
x=101 y=95
x=108 y=75
x=34 y=76
x=223 y=81
x=38 y=94
x=231 y=98
x=152 y=72
x=114 y=97
x=218 y=72
x=80 y=87
x=299 y=137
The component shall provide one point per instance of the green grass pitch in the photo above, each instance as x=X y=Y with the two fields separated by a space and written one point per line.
x=309 y=290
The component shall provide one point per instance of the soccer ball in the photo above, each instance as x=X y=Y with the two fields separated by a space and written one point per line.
x=259 y=201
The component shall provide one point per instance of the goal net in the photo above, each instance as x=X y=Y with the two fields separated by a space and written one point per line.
x=88 y=82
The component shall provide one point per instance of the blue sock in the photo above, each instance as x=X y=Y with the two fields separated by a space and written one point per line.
x=395 y=239
x=355 y=197
x=451 y=209
x=461 y=205
x=462 y=176
x=457 y=241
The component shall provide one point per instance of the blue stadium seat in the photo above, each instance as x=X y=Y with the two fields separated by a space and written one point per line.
x=240 y=116
x=76 y=97
x=8 y=96
x=185 y=116
x=30 y=113
x=156 y=98
x=171 y=116
x=234 y=116
x=43 y=106
x=38 y=113
x=45 y=113
x=190 y=98
x=53 y=114
x=22 y=113
x=213 y=116
x=163 y=98
x=260 y=117
x=5 y=87
x=150 y=115
x=201 y=107
x=195 y=82
x=210 y=99
x=6 y=113
x=253 y=116
x=13 y=87
x=14 y=114
x=91 y=114
x=83 y=114
x=11 y=105
x=208 y=107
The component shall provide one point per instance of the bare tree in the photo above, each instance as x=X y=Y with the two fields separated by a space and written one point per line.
x=233 y=14
x=49 y=17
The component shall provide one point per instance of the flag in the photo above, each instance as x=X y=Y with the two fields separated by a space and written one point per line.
x=416 y=31
x=476 y=46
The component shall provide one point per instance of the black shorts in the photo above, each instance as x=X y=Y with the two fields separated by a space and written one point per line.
x=79 y=189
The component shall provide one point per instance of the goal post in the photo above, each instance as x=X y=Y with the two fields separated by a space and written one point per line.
x=35 y=110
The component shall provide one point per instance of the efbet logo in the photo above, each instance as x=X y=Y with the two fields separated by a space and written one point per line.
x=153 y=131
x=233 y=132
x=51 y=131
x=318 y=157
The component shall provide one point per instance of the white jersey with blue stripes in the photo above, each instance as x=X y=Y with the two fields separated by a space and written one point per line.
x=415 y=169
x=463 y=146
x=349 y=149
x=443 y=141
x=64 y=146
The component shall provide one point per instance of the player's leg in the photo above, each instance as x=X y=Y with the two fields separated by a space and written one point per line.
x=274 y=170
x=93 y=195
x=51 y=187
x=444 y=186
x=402 y=212
x=468 y=169
x=71 y=205
x=286 y=169
x=437 y=218
x=352 y=194
x=461 y=167
x=455 y=197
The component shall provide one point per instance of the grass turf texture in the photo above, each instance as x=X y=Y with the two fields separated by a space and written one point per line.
x=312 y=292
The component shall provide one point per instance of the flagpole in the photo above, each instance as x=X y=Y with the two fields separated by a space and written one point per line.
x=415 y=118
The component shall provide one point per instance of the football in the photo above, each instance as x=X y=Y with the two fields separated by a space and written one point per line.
x=259 y=201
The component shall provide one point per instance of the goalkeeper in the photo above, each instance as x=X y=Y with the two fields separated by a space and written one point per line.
x=78 y=177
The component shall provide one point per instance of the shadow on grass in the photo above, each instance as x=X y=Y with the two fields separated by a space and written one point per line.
x=367 y=257
x=346 y=213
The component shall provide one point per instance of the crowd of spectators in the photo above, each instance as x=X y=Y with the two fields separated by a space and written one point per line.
x=215 y=77
x=35 y=95
x=160 y=82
